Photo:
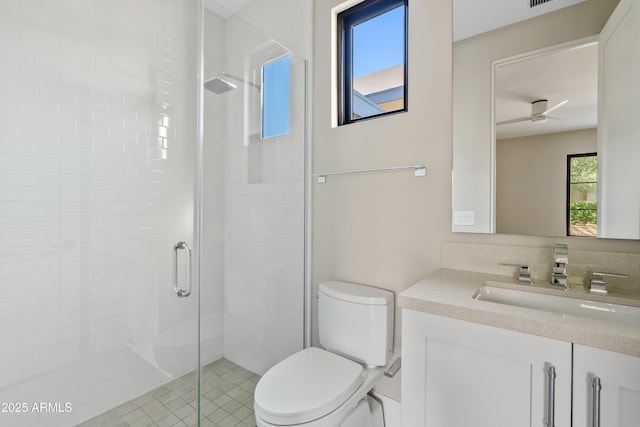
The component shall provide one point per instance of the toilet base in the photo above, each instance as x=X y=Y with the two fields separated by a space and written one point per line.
x=367 y=412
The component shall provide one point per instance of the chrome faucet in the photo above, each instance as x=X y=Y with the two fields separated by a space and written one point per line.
x=560 y=261
x=524 y=272
x=598 y=282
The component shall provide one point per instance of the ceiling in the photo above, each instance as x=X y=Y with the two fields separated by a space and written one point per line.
x=470 y=17
x=473 y=17
x=570 y=74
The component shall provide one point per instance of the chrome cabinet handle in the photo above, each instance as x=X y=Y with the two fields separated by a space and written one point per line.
x=182 y=293
x=595 y=401
x=551 y=396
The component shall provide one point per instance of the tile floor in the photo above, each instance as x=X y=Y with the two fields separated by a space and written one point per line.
x=227 y=400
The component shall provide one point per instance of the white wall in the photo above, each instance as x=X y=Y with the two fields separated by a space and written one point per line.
x=531 y=181
x=384 y=229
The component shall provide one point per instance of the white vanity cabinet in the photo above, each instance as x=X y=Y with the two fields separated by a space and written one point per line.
x=606 y=388
x=459 y=373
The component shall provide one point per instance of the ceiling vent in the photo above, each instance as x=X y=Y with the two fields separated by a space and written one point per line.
x=534 y=3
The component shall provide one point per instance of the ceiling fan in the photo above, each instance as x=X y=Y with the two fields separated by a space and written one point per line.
x=539 y=111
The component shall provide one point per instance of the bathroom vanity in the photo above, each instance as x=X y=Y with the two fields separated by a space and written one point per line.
x=473 y=355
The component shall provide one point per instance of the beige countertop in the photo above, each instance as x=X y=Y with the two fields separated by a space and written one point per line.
x=450 y=293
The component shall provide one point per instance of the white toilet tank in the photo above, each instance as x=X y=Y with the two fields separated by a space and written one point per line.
x=356 y=321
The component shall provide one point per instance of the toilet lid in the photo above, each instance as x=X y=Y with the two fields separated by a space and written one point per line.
x=306 y=386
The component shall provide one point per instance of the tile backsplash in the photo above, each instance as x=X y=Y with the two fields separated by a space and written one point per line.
x=503 y=259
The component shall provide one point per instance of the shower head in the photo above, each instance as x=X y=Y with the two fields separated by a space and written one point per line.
x=221 y=84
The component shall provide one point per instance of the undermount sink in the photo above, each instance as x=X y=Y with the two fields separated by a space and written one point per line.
x=612 y=313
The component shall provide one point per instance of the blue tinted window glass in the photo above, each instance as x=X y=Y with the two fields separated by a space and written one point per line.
x=373 y=40
x=276 y=88
x=378 y=43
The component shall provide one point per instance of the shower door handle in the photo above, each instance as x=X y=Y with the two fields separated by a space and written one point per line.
x=182 y=293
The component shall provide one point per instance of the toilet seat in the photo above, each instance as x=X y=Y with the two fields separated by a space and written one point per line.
x=306 y=386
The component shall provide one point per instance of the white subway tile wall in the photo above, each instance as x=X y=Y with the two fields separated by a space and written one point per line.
x=97 y=161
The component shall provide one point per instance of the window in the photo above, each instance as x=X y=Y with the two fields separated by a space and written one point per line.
x=582 y=186
x=276 y=91
x=372 y=60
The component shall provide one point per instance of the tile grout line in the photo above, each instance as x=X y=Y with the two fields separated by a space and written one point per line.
x=227 y=400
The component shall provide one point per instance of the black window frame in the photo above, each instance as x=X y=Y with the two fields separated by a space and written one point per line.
x=346 y=19
x=568 y=196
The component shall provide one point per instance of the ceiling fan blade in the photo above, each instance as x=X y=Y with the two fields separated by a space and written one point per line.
x=519 y=119
x=558 y=105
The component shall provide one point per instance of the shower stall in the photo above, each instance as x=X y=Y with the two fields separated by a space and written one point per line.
x=153 y=181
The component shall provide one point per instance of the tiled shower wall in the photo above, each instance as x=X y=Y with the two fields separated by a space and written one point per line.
x=97 y=140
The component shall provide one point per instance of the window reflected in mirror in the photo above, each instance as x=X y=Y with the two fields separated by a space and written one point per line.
x=582 y=193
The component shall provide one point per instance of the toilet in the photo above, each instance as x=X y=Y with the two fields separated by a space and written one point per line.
x=329 y=386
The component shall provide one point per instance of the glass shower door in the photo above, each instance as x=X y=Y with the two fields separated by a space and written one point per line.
x=253 y=221
x=107 y=186
x=254 y=191
x=98 y=161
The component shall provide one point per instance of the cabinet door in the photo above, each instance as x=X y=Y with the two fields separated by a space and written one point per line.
x=616 y=398
x=457 y=373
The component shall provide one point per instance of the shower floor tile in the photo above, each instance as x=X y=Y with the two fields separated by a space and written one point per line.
x=227 y=400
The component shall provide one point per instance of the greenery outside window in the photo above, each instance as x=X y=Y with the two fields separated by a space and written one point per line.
x=372 y=60
x=582 y=188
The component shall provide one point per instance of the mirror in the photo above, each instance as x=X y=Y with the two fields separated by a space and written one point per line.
x=545 y=111
x=499 y=67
